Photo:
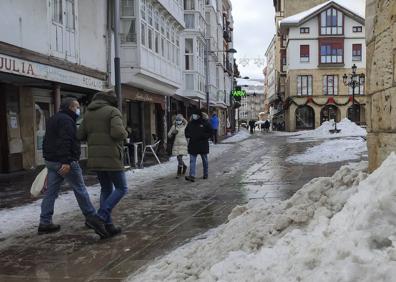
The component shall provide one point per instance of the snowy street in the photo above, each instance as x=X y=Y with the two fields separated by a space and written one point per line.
x=160 y=213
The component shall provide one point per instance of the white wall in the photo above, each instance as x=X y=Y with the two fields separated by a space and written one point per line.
x=27 y=24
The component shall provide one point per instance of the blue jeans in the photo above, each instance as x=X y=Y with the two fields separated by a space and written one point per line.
x=193 y=160
x=76 y=181
x=113 y=188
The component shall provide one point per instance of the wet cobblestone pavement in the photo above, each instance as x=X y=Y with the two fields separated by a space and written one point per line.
x=160 y=216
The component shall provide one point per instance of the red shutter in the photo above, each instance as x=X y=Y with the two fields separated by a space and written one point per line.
x=356 y=49
x=304 y=51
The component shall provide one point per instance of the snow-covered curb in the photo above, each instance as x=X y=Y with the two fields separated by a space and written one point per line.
x=24 y=219
x=332 y=151
x=339 y=228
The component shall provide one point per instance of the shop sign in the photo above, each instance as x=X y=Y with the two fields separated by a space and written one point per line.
x=35 y=70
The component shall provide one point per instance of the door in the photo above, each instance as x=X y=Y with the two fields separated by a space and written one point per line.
x=43 y=110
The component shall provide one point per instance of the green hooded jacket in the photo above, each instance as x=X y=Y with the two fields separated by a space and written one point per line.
x=103 y=128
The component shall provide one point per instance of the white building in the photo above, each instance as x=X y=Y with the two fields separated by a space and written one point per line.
x=151 y=67
x=47 y=51
x=322 y=45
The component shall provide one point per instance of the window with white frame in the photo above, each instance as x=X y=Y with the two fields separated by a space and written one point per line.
x=150 y=15
x=189 y=54
x=143 y=34
x=331 y=22
x=304 y=85
x=128 y=22
x=157 y=42
x=332 y=52
x=57 y=11
x=70 y=15
x=150 y=38
x=156 y=20
x=189 y=80
x=143 y=9
x=330 y=85
x=189 y=20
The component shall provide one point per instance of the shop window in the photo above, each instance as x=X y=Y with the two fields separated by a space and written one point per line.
x=329 y=112
x=305 y=118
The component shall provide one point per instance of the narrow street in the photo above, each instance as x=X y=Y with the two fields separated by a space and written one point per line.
x=160 y=216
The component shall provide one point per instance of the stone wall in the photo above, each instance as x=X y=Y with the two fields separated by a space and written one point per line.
x=381 y=79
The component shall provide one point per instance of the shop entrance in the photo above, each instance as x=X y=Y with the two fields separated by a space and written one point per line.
x=43 y=111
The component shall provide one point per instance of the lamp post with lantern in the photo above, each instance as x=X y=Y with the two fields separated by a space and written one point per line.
x=354 y=80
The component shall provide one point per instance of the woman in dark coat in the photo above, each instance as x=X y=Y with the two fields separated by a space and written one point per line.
x=198 y=132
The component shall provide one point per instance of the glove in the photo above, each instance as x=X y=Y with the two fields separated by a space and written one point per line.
x=175 y=132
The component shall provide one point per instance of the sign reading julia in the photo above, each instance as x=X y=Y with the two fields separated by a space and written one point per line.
x=35 y=70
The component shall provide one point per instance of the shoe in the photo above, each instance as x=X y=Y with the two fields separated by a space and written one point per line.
x=205 y=177
x=95 y=223
x=48 y=228
x=179 y=171
x=184 y=169
x=112 y=229
x=190 y=178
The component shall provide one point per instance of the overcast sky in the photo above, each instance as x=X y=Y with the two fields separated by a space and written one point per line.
x=253 y=31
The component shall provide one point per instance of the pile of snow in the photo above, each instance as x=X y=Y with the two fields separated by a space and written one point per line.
x=347 y=127
x=24 y=219
x=330 y=151
x=339 y=228
x=240 y=136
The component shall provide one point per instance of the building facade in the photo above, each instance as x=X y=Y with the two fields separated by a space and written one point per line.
x=252 y=104
x=284 y=8
x=322 y=46
x=51 y=53
x=151 y=70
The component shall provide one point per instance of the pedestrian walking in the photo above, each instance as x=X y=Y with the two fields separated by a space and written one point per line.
x=103 y=128
x=198 y=132
x=267 y=126
x=179 y=148
x=61 y=151
x=252 y=125
x=214 y=122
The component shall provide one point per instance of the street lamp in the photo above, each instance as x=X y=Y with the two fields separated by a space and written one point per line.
x=232 y=51
x=353 y=80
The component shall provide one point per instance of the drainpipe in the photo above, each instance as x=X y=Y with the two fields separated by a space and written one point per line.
x=117 y=68
x=108 y=43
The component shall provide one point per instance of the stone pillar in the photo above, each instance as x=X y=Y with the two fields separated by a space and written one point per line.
x=27 y=127
x=57 y=97
x=381 y=80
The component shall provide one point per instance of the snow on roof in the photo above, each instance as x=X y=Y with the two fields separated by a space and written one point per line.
x=357 y=7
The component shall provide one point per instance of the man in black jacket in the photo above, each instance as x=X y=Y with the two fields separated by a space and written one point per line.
x=61 y=150
x=198 y=132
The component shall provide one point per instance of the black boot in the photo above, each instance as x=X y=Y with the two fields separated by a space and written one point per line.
x=48 y=228
x=95 y=223
x=112 y=229
x=190 y=178
x=179 y=171
x=184 y=169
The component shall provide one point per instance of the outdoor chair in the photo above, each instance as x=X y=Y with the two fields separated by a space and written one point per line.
x=151 y=149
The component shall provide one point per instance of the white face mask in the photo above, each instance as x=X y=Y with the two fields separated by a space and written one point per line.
x=78 y=112
x=195 y=117
x=178 y=122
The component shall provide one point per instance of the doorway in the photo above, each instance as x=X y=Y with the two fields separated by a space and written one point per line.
x=43 y=111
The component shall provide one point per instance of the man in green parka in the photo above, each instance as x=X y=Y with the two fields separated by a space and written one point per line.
x=103 y=128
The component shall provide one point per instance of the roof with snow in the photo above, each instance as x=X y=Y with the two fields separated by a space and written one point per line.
x=352 y=8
